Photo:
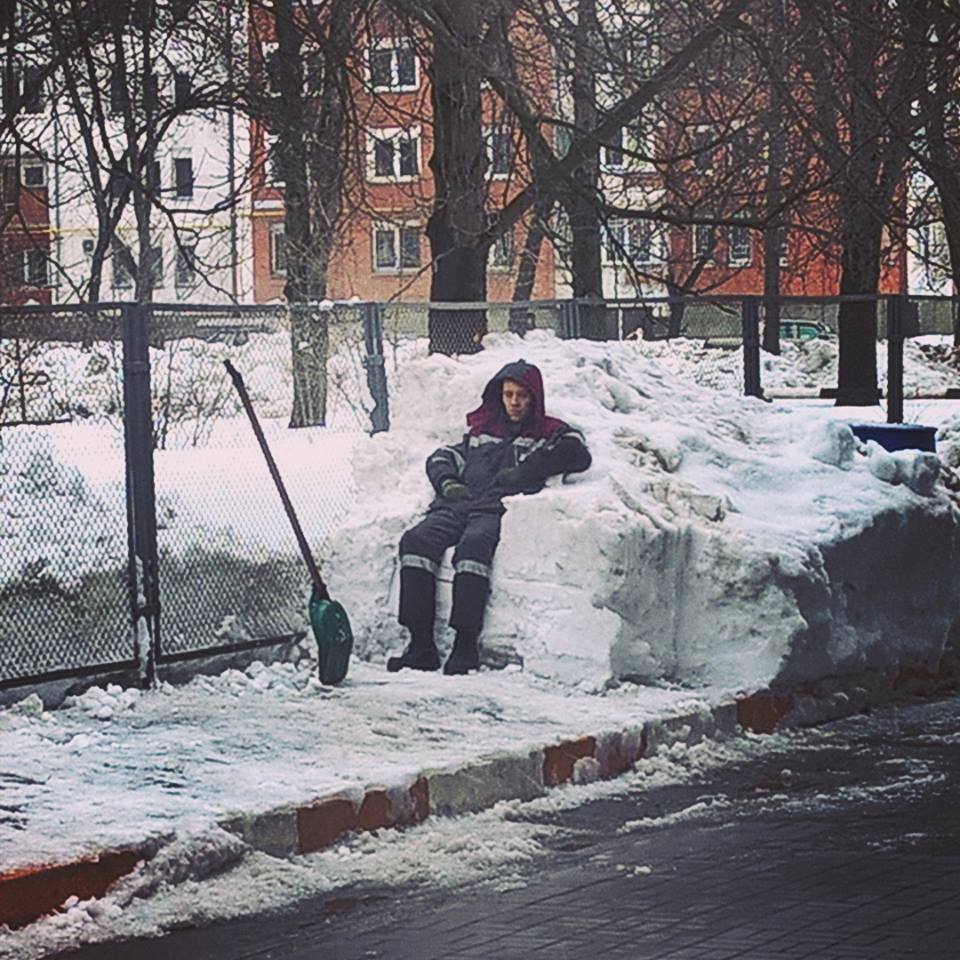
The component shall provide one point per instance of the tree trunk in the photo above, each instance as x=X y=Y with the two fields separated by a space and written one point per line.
x=311 y=136
x=773 y=192
x=583 y=199
x=771 y=289
x=857 y=321
x=458 y=163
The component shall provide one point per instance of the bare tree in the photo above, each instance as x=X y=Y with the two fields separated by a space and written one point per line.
x=862 y=73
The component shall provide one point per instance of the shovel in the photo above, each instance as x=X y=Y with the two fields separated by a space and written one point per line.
x=331 y=628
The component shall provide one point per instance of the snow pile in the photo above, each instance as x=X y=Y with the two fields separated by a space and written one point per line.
x=54 y=525
x=716 y=539
x=931 y=365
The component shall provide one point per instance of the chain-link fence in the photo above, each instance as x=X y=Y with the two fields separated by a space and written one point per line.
x=65 y=576
x=139 y=525
x=132 y=490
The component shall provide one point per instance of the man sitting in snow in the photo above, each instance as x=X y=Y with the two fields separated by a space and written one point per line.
x=511 y=446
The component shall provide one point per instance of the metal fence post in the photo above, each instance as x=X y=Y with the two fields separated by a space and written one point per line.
x=895 y=334
x=141 y=498
x=374 y=365
x=569 y=319
x=750 y=319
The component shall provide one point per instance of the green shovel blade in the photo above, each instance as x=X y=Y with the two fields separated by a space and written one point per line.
x=331 y=628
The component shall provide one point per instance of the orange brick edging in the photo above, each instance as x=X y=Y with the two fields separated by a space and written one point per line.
x=763 y=711
x=27 y=894
x=560 y=759
x=31 y=893
x=323 y=822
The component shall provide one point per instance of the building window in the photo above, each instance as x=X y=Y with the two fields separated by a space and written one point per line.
x=123 y=265
x=705 y=242
x=182 y=89
x=739 y=246
x=183 y=177
x=9 y=184
x=500 y=151
x=33 y=174
x=180 y=9
x=151 y=92
x=629 y=151
x=394 y=154
x=33 y=101
x=153 y=265
x=396 y=247
x=153 y=184
x=611 y=154
x=313 y=71
x=185 y=266
x=271 y=68
x=273 y=168
x=704 y=148
x=639 y=241
x=502 y=251
x=117 y=183
x=278 y=250
x=30 y=267
x=393 y=66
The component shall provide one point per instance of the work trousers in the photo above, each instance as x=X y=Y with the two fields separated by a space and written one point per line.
x=475 y=533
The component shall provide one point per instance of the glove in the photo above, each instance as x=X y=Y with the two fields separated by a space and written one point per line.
x=455 y=490
x=511 y=477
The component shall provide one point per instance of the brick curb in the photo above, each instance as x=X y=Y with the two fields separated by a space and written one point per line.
x=474 y=785
x=31 y=892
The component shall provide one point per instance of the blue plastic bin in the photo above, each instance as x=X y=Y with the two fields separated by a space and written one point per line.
x=898 y=436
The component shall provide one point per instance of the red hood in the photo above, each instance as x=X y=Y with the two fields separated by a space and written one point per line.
x=490 y=417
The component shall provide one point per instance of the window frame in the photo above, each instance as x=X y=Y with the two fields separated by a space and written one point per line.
x=394 y=136
x=626 y=231
x=121 y=278
x=183 y=189
x=491 y=135
x=397 y=229
x=502 y=254
x=392 y=45
x=696 y=246
x=277 y=249
x=31 y=258
x=182 y=89
x=272 y=174
x=185 y=266
x=26 y=165
x=735 y=261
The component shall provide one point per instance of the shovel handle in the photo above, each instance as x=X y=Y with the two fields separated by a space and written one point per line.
x=319 y=585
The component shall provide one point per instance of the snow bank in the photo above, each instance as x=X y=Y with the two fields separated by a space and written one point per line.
x=716 y=540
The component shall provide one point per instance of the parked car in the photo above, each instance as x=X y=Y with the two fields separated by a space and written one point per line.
x=803 y=330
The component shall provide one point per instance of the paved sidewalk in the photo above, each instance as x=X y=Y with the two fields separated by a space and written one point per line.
x=289 y=765
x=845 y=846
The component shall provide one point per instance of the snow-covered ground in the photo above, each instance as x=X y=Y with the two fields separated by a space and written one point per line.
x=204 y=873
x=717 y=544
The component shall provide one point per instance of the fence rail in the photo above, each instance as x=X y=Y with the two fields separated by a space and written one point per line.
x=137 y=530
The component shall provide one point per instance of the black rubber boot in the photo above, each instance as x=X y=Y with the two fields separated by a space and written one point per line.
x=421 y=653
x=465 y=655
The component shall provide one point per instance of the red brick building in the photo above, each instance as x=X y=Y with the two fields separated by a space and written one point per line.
x=26 y=236
x=382 y=252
